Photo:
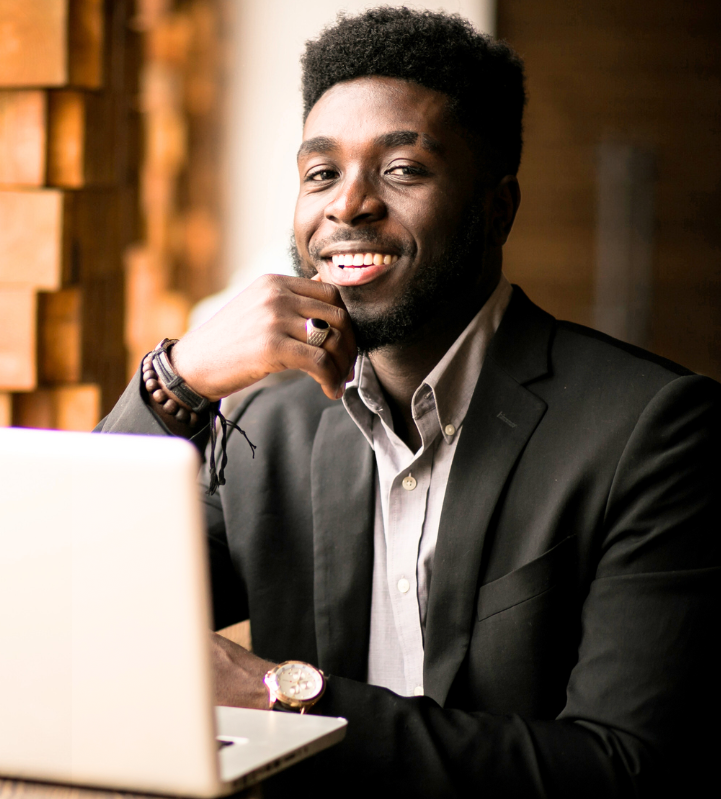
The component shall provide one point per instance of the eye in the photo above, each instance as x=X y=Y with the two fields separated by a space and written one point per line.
x=320 y=175
x=406 y=171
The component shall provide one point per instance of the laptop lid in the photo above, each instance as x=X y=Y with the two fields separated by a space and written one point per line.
x=105 y=674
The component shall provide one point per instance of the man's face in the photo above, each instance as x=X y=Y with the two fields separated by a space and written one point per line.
x=389 y=208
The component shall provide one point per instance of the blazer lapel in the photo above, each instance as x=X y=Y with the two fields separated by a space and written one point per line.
x=342 y=473
x=501 y=418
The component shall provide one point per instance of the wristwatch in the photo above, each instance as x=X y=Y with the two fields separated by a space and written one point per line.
x=294 y=685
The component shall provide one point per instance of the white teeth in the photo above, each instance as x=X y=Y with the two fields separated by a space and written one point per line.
x=363 y=259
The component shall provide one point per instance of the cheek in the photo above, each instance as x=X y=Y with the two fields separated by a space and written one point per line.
x=433 y=226
x=307 y=219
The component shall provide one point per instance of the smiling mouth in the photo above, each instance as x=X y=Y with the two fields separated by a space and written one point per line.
x=360 y=259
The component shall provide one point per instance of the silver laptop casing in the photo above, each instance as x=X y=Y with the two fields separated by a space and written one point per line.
x=105 y=675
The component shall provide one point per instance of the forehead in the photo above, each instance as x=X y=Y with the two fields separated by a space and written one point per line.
x=361 y=110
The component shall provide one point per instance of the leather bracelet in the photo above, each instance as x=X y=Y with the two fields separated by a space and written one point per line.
x=158 y=389
x=172 y=381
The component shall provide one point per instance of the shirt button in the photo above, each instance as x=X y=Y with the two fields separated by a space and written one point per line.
x=409 y=482
x=418 y=690
x=449 y=430
x=403 y=585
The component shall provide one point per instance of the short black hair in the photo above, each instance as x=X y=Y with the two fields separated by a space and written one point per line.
x=482 y=77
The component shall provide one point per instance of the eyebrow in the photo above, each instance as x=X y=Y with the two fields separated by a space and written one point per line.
x=396 y=138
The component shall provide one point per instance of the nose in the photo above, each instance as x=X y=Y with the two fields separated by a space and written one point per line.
x=356 y=201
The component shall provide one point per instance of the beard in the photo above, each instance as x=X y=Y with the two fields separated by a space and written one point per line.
x=446 y=280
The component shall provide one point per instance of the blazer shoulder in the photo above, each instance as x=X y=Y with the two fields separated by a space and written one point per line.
x=576 y=368
x=613 y=382
x=595 y=344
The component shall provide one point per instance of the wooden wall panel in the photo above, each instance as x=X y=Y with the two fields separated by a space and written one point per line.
x=32 y=42
x=67 y=205
x=32 y=236
x=51 y=43
x=60 y=336
x=646 y=74
x=85 y=39
x=81 y=139
x=22 y=138
x=18 y=337
x=72 y=110
x=6 y=405
x=62 y=408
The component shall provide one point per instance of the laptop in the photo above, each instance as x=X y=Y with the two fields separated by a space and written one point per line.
x=105 y=673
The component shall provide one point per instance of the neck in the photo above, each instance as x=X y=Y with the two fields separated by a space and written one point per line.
x=401 y=368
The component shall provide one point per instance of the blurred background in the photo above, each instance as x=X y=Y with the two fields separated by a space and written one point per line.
x=147 y=173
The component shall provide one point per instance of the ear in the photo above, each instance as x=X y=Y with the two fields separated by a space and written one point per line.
x=504 y=205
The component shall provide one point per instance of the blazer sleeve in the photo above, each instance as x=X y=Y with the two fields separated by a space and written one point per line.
x=642 y=707
x=132 y=414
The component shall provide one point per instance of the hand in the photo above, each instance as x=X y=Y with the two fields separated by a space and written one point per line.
x=238 y=675
x=262 y=331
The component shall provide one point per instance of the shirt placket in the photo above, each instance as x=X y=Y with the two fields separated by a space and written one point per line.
x=406 y=515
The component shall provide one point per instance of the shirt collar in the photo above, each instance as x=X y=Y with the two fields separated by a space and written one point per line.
x=449 y=386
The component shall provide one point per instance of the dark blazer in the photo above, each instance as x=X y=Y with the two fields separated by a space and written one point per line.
x=569 y=646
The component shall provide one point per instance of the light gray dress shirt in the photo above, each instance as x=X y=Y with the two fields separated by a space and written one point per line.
x=410 y=490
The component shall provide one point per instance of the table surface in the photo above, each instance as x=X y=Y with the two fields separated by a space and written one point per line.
x=20 y=789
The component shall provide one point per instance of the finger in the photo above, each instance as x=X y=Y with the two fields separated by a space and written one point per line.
x=337 y=318
x=340 y=343
x=304 y=287
x=328 y=368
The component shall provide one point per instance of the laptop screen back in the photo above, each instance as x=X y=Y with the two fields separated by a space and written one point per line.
x=104 y=613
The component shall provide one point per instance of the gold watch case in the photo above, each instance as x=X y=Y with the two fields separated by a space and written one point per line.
x=295 y=685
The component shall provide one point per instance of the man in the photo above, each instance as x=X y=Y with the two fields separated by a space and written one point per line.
x=501 y=546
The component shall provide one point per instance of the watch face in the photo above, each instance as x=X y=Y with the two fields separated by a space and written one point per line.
x=298 y=681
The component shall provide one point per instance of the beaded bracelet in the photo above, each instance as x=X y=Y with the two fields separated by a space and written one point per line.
x=169 y=403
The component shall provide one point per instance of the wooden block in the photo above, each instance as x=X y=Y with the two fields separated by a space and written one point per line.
x=6 y=407
x=62 y=408
x=81 y=139
x=17 y=339
x=33 y=48
x=51 y=43
x=32 y=238
x=22 y=137
x=85 y=43
x=60 y=336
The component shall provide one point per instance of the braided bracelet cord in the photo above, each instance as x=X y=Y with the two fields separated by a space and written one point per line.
x=172 y=405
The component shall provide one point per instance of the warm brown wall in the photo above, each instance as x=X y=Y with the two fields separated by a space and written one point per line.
x=646 y=72
x=67 y=83
x=109 y=193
